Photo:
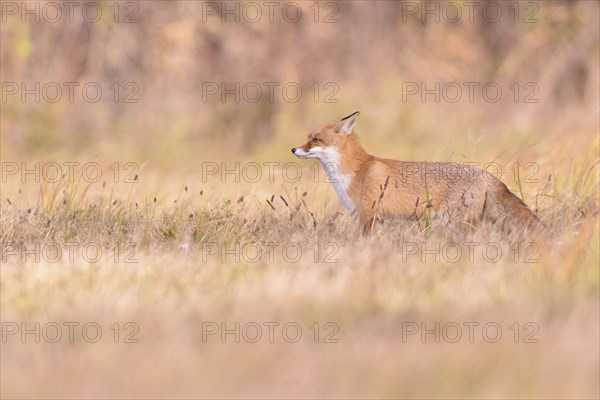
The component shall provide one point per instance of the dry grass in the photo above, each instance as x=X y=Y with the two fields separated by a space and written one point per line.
x=373 y=289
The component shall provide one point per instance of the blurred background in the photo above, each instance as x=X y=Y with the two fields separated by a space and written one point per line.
x=170 y=85
x=224 y=80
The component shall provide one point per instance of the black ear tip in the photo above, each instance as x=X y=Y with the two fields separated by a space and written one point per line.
x=357 y=113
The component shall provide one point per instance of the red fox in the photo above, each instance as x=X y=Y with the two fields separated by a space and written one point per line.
x=373 y=188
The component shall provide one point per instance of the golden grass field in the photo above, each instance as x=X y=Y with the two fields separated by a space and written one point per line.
x=182 y=272
x=179 y=257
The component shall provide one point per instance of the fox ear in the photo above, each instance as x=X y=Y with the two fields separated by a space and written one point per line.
x=346 y=124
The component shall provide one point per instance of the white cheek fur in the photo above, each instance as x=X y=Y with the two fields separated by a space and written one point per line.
x=301 y=153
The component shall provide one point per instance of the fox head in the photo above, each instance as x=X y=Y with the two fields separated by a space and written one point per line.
x=325 y=142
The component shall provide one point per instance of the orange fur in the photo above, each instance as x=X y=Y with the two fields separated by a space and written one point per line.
x=374 y=188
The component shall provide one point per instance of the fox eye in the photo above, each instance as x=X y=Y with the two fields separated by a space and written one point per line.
x=315 y=140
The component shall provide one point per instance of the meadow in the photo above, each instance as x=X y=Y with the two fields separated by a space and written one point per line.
x=175 y=248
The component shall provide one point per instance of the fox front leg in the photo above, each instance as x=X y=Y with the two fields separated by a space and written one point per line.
x=367 y=223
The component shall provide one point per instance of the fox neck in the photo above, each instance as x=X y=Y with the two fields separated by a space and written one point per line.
x=342 y=164
x=352 y=155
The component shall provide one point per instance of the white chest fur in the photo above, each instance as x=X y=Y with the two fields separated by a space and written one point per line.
x=330 y=158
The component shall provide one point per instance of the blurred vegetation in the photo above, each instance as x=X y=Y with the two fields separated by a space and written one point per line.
x=175 y=48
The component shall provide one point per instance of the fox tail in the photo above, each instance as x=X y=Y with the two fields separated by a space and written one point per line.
x=510 y=214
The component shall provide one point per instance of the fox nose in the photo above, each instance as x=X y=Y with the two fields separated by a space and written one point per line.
x=294 y=150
